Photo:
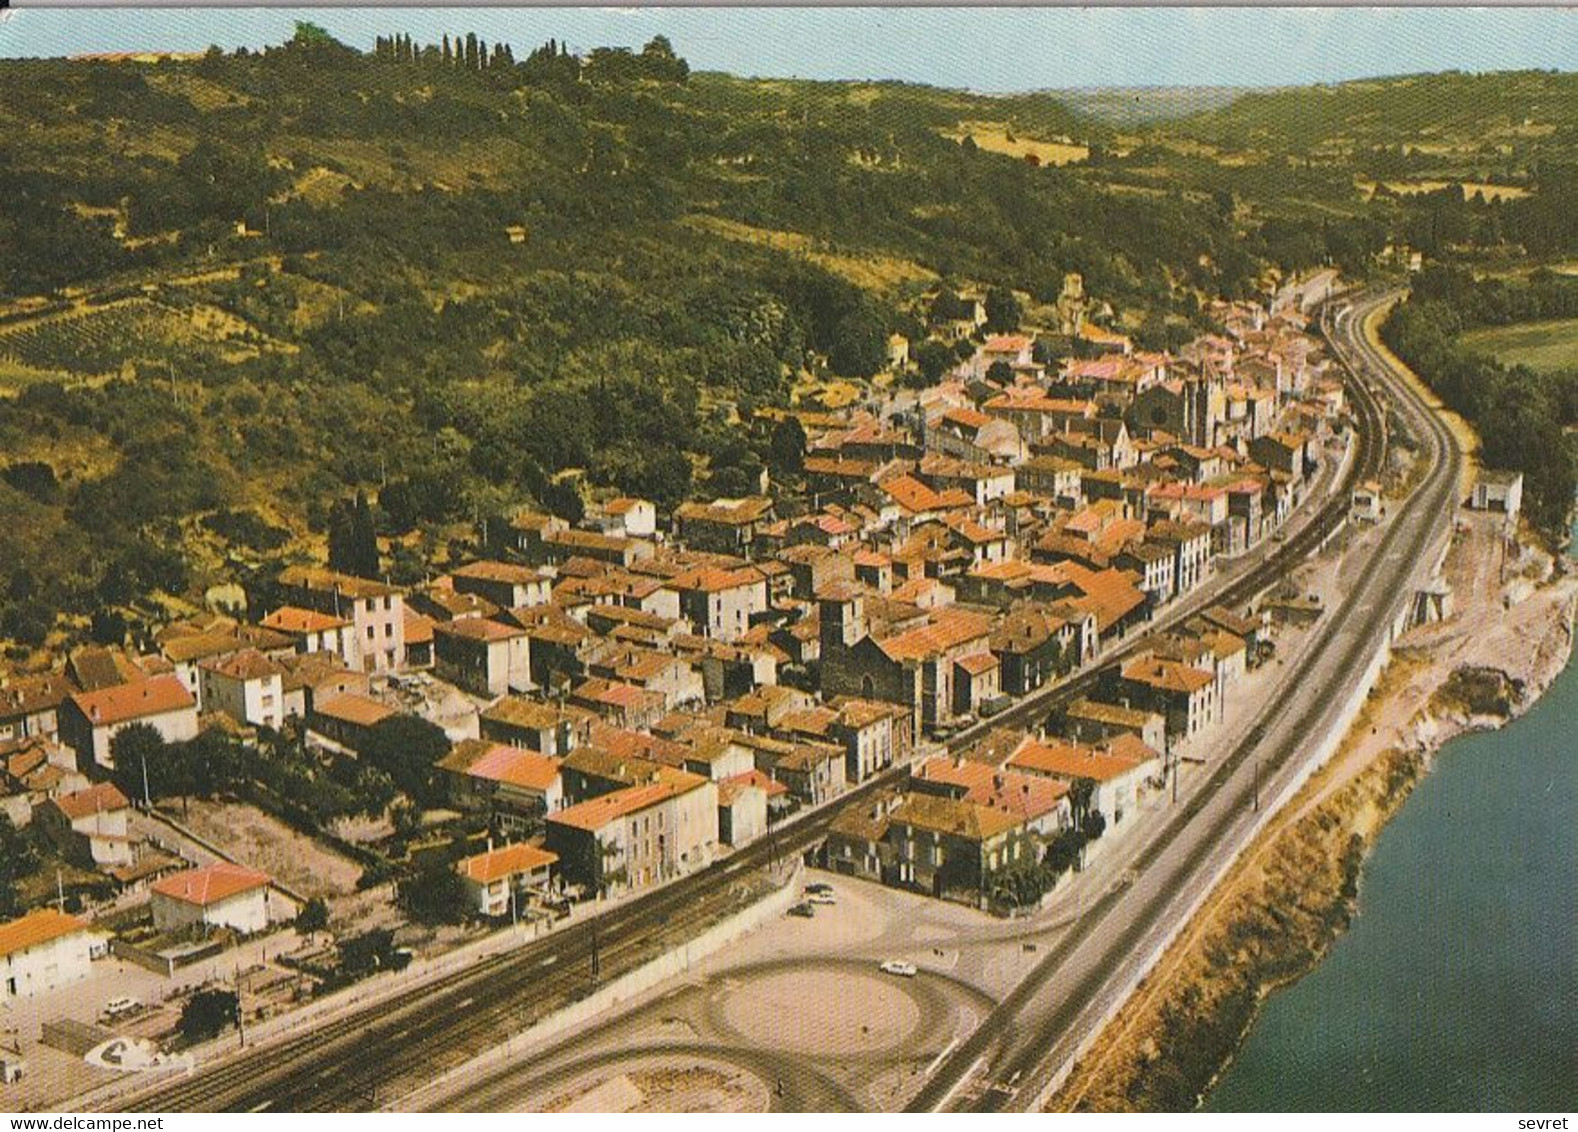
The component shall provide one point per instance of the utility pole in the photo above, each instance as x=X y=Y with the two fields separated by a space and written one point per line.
x=241 y=1014
x=596 y=971
x=1257 y=786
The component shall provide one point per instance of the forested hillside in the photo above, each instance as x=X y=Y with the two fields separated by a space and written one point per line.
x=240 y=289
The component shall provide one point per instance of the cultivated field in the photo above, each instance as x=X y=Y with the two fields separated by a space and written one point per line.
x=994 y=137
x=1548 y=345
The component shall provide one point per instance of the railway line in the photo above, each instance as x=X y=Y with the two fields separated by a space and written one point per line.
x=371 y=1054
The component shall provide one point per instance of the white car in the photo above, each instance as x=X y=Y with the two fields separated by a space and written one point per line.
x=115 y=1007
x=900 y=967
x=821 y=897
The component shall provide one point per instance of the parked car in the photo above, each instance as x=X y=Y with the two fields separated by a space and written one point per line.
x=819 y=886
x=821 y=897
x=900 y=967
x=116 y=1007
x=803 y=909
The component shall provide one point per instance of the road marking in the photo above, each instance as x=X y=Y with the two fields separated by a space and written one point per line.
x=938 y=1060
x=959 y=1084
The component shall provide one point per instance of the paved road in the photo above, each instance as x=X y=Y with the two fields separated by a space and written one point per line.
x=368 y=1055
x=1032 y=1037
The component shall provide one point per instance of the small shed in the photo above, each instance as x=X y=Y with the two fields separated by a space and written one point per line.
x=1498 y=490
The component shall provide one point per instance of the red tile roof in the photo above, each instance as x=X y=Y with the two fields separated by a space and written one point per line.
x=508 y=861
x=211 y=883
x=138 y=700
x=100 y=799
x=39 y=926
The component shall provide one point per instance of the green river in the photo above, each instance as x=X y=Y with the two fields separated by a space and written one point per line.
x=1456 y=987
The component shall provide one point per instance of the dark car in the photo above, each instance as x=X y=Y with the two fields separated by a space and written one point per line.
x=803 y=909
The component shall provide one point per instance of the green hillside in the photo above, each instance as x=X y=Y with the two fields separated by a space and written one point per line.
x=239 y=289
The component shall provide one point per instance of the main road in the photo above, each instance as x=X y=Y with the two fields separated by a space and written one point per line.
x=371 y=1054
x=1022 y=1048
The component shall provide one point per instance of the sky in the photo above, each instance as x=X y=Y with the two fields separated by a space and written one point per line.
x=983 y=49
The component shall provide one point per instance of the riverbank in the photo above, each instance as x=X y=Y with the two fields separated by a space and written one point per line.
x=1294 y=891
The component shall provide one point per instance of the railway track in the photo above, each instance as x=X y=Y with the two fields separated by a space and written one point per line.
x=370 y=1055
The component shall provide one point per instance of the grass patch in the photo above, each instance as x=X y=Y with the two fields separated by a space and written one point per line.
x=1543 y=346
x=995 y=137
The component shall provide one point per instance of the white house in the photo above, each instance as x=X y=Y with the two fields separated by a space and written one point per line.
x=248 y=687
x=314 y=631
x=43 y=951
x=219 y=895
x=499 y=882
x=1497 y=490
x=89 y=721
x=89 y=826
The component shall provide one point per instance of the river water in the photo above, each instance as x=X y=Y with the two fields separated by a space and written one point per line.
x=1456 y=987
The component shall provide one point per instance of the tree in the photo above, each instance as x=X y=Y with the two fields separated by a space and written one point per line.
x=436 y=894
x=353 y=539
x=1000 y=372
x=371 y=951
x=143 y=766
x=933 y=359
x=786 y=449
x=108 y=627
x=209 y=1013
x=1003 y=311
x=859 y=345
x=313 y=917
x=18 y=859
x=405 y=748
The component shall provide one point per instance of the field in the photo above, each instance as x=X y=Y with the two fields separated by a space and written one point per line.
x=1470 y=189
x=1539 y=345
x=97 y=340
x=994 y=137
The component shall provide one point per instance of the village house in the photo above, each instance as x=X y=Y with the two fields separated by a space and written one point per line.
x=1498 y=490
x=948 y=847
x=637 y=836
x=515 y=787
x=1118 y=780
x=502 y=881
x=1094 y=723
x=720 y=603
x=89 y=721
x=626 y=517
x=743 y=803
x=506 y=585
x=221 y=895
x=1185 y=696
x=44 y=951
x=348 y=718
x=548 y=729
x=1033 y=645
x=482 y=656
x=974 y=436
x=724 y=526
x=313 y=677
x=314 y=632
x=30 y=705
x=248 y=687
x=1041 y=804
x=89 y=826
x=376 y=612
